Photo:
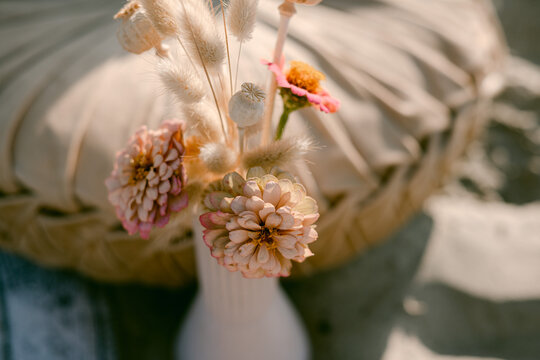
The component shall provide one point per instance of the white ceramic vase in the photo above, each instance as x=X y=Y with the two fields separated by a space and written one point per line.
x=234 y=318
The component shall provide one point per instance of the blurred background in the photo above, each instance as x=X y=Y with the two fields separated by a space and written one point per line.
x=459 y=281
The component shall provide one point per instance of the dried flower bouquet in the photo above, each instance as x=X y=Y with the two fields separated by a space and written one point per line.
x=258 y=218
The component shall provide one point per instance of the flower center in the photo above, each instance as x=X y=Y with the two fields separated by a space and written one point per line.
x=266 y=236
x=141 y=167
x=304 y=76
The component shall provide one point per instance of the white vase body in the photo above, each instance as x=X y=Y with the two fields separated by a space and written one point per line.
x=234 y=318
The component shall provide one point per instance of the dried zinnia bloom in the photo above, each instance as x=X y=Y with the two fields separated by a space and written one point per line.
x=258 y=226
x=148 y=178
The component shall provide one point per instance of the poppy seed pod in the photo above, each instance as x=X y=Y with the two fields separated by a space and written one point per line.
x=246 y=107
x=306 y=2
x=136 y=33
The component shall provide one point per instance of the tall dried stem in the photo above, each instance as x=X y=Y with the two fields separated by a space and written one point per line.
x=227 y=44
x=237 y=65
x=203 y=64
x=286 y=10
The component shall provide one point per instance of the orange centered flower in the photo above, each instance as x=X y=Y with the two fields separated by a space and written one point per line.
x=305 y=76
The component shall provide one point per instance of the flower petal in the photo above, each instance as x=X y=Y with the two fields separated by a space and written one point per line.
x=233 y=224
x=179 y=202
x=152 y=193
x=247 y=249
x=307 y=206
x=172 y=155
x=287 y=253
x=286 y=241
x=162 y=169
x=310 y=235
x=210 y=235
x=238 y=205
x=255 y=204
x=164 y=187
x=253 y=263
x=273 y=221
x=148 y=203
x=161 y=221
x=142 y=213
x=238 y=236
x=310 y=219
x=214 y=220
x=234 y=182
x=271 y=266
x=162 y=199
x=249 y=220
x=266 y=210
x=272 y=193
x=144 y=230
x=263 y=255
x=251 y=188
x=287 y=221
x=158 y=159
x=213 y=199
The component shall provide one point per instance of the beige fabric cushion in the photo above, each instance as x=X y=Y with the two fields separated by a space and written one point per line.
x=414 y=78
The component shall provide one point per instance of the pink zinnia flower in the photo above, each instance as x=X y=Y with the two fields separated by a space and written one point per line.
x=258 y=226
x=303 y=80
x=146 y=183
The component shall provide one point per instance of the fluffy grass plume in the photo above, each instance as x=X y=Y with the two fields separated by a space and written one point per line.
x=241 y=17
x=278 y=153
x=202 y=119
x=161 y=13
x=217 y=157
x=180 y=79
x=199 y=32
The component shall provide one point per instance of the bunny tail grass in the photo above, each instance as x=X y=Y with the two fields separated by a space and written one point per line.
x=241 y=18
x=182 y=81
x=217 y=157
x=161 y=13
x=199 y=32
x=203 y=121
x=278 y=153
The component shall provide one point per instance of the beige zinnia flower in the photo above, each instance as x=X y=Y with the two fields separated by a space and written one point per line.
x=258 y=226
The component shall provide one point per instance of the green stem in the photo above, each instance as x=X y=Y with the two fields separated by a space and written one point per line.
x=282 y=122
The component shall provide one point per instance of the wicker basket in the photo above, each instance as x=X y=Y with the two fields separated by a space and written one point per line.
x=415 y=79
